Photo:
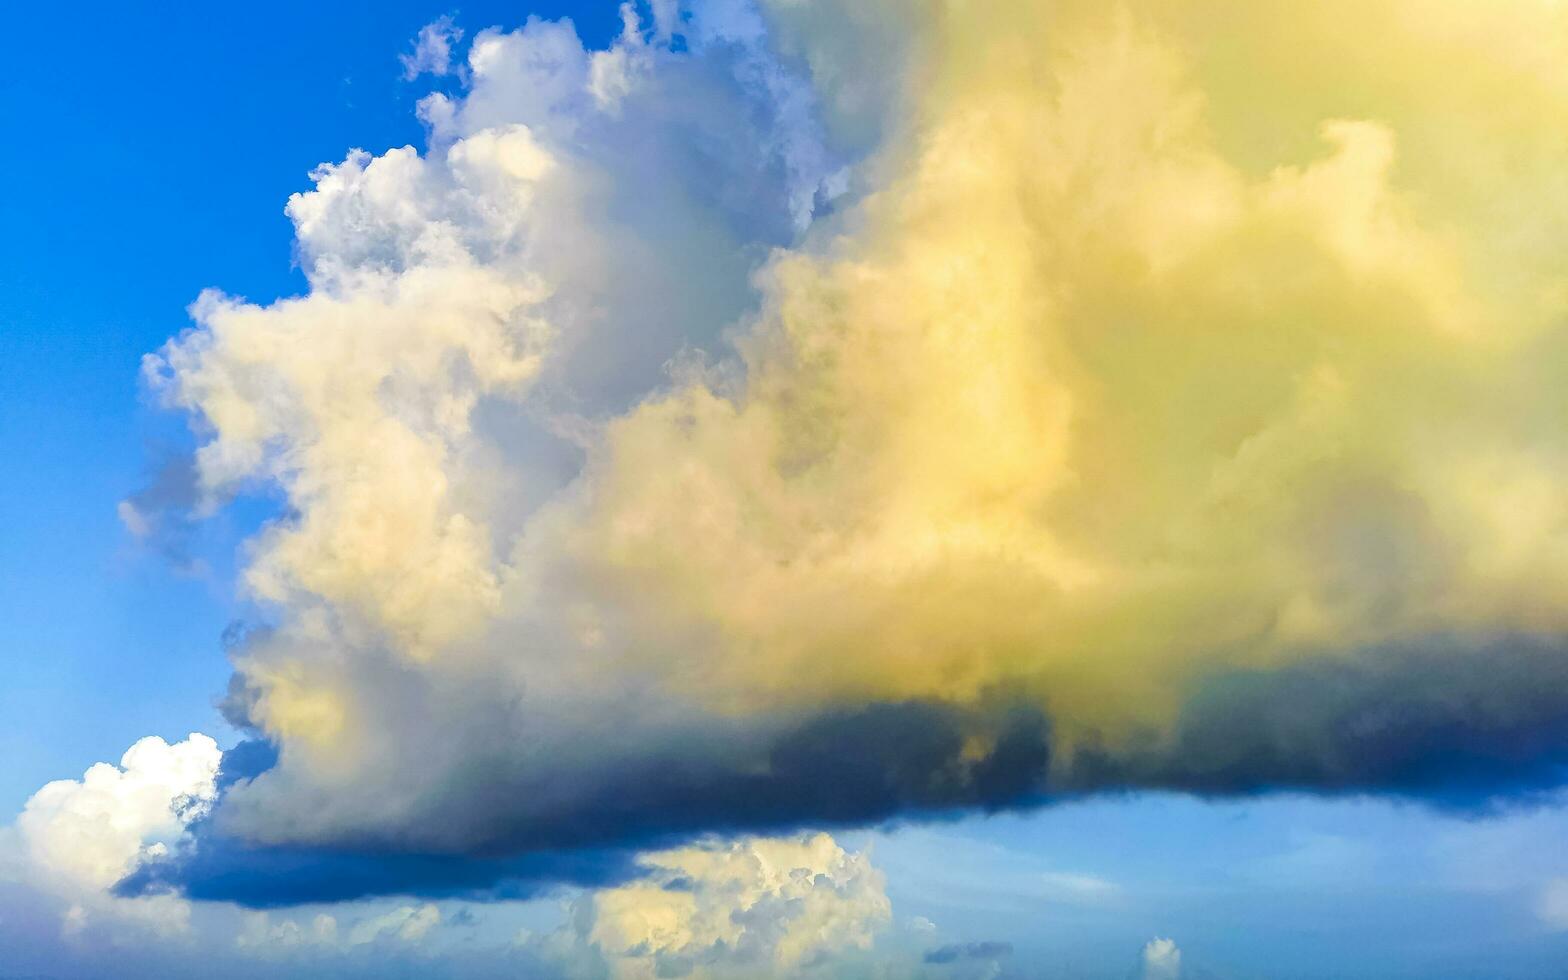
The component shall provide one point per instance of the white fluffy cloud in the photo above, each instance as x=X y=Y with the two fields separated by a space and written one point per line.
x=78 y=837
x=581 y=221
x=1161 y=960
x=526 y=248
x=753 y=907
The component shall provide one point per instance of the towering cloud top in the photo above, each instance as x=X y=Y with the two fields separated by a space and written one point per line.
x=812 y=413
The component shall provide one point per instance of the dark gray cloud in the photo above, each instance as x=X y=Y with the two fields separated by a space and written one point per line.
x=162 y=514
x=1456 y=721
x=961 y=952
x=1453 y=722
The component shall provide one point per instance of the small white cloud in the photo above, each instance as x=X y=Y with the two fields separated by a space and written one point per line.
x=1161 y=960
x=407 y=924
x=432 y=49
x=73 y=922
x=1071 y=886
x=1552 y=905
x=262 y=934
x=133 y=519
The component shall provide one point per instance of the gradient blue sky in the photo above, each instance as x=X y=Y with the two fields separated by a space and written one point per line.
x=148 y=156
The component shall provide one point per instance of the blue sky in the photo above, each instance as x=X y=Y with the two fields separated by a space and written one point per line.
x=663 y=461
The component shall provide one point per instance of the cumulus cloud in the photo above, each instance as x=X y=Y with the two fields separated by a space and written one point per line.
x=261 y=933
x=1131 y=412
x=76 y=838
x=751 y=907
x=1161 y=960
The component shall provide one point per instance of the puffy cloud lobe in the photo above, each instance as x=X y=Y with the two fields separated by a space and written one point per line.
x=751 y=907
x=984 y=416
x=361 y=435
x=1161 y=960
x=77 y=838
x=89 y=831
x=1029 y=423
x=1222 y=439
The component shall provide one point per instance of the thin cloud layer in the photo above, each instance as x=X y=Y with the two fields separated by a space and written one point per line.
x=663 y=456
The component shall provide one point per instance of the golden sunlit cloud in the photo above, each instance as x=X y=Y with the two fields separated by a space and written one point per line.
x=1147 y=345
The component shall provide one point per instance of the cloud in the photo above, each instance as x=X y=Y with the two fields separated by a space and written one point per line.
x=1078 y=887
x=1552 y=904
x=749 y=907
x=721 y=908
x=323 y=934
x=408 y=923
x=1126 y=413
x=261 y=933
x=615 y=71
x=959 y=952
x=1161 y=960
x=629 y=797
x=76 y=838
x=432 y=49
x=165 y=513
x=1433 y=719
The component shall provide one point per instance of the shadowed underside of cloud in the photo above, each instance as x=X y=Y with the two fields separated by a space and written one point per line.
x=1435 y=723
x=853 y=767
x=1455 y=723
x=262 y=877
x=958 y=952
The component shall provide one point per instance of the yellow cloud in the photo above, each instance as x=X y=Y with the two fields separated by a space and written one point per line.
x=1170 y=336
x=1175 y=336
